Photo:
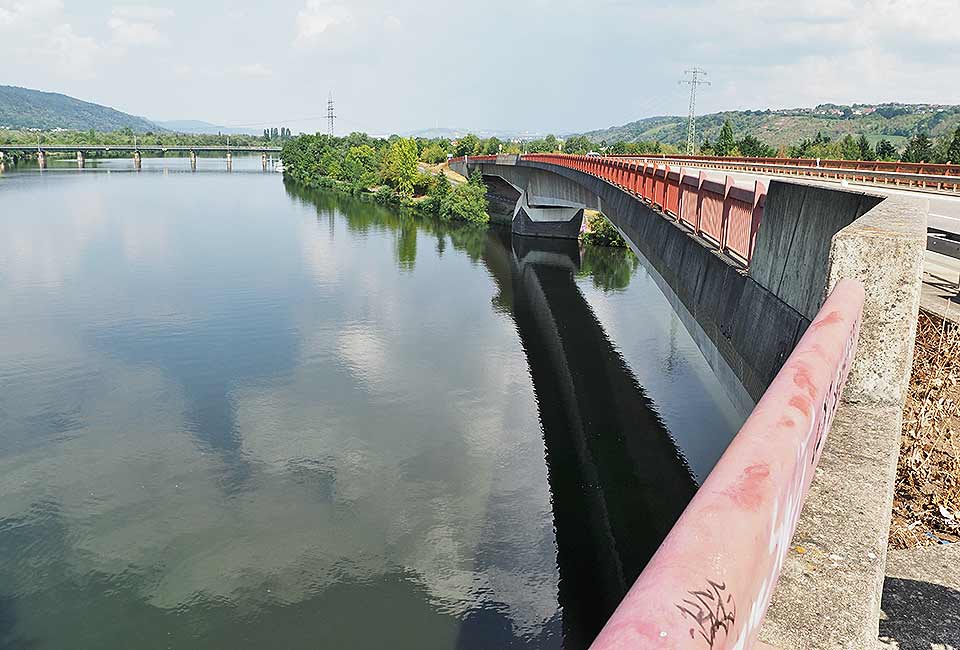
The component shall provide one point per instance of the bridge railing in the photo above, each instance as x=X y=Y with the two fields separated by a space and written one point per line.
x=943 y=177
x=711 y=580
x=723 y=214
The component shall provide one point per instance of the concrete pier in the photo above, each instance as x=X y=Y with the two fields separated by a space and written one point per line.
x=80 y=159
x=193 y=160
x=42 y=159
x=136 y=160
x=229 y=161
x=263 y=160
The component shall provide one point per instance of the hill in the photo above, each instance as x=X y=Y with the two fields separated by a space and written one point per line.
x=895 y=122
x=200 y=127
x=23 y=108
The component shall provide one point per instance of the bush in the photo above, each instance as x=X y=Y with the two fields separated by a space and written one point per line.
x=601 y=232
x=465 y=202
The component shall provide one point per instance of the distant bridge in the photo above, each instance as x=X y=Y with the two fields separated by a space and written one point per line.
x=41 y=151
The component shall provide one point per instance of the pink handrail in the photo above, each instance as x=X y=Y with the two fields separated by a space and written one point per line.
x=710 y=582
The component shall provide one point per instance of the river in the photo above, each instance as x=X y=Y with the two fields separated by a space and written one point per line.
x=237 y=414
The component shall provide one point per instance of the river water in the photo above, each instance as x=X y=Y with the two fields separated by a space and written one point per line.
x=236 y=414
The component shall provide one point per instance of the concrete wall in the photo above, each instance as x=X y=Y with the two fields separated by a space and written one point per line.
x=793 y=244
x=829 y=595
x=749 y=331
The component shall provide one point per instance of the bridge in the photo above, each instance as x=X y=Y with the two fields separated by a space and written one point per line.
x=137 y=150
x=803 y=296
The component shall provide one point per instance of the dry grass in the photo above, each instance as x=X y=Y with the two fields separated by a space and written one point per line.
x=926 y=507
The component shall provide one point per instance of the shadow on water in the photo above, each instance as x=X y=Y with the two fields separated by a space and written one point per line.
x=618 y=481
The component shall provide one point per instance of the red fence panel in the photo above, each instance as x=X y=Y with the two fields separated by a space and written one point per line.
x=690 y=201
x=709 y=583
x=710 y=206
x=671 y=204
x=743 y=220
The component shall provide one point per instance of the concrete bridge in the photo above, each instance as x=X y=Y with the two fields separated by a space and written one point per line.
x=136 y=151
x=803 y=297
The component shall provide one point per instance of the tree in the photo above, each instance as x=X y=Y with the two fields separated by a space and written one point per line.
x=866 y=151
x=400 y=165
x=490 y=146
x=725 y=142
x=467 y=201
x=577 y=145
x=467 y=145
x=885 y=150
x=706 y=149
x=433 y=153
x=849 y=149
x=753 y=147
x=919 y=149
x=953 y=150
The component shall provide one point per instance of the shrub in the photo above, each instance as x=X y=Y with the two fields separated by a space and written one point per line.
x=601 y=232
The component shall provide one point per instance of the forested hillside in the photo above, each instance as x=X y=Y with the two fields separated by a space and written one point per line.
x=893 y=122
x=23 y=108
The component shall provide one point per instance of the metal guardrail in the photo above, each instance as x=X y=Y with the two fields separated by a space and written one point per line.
x=944 y=178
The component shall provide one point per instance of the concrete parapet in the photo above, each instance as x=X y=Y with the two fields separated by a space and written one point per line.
x=793 y=243
x=829 y=591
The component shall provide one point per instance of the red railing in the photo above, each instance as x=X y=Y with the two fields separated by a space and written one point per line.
x=723 y=214
x=926 y=175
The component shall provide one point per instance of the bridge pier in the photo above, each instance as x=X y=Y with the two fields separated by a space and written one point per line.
x=80 y=159
x=193 y=160
x=136 y=160
x=263 y=160
x=229 y=161
x=42 y=159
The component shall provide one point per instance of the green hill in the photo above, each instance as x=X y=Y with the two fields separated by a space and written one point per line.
x=23 y=108
x=895 y=122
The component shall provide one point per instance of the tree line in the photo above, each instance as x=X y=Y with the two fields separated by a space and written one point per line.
x=919 y=148
x=388 y=168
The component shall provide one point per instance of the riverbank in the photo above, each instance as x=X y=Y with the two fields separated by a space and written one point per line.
x=926 y=508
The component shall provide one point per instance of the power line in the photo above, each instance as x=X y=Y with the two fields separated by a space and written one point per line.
x=330 y=114
x=694 y=81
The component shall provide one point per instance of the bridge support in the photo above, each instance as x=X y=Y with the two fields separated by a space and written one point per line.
x=193 y=160
x=80 y=159
x=263 y=160
x=546 y=220
x=229 y=161
x=136 y=160
x=42 y=159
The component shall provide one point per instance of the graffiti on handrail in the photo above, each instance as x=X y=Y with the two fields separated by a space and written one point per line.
x=711 y=609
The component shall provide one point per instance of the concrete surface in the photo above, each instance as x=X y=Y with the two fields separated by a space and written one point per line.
x=921 y=599
x=829 y=595
x=751 y=330
x=794 y=241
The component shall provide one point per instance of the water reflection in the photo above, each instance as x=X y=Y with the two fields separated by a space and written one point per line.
x=617 y=478
x=244 y=415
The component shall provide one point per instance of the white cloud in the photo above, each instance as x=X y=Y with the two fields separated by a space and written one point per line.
x=254 y=70
x=317 y=17
x=137 y=25
x=142 y=12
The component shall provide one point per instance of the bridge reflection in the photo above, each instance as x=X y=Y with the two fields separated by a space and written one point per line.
x=617 y=479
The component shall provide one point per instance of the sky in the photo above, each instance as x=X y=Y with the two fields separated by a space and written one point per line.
x=520 y=65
